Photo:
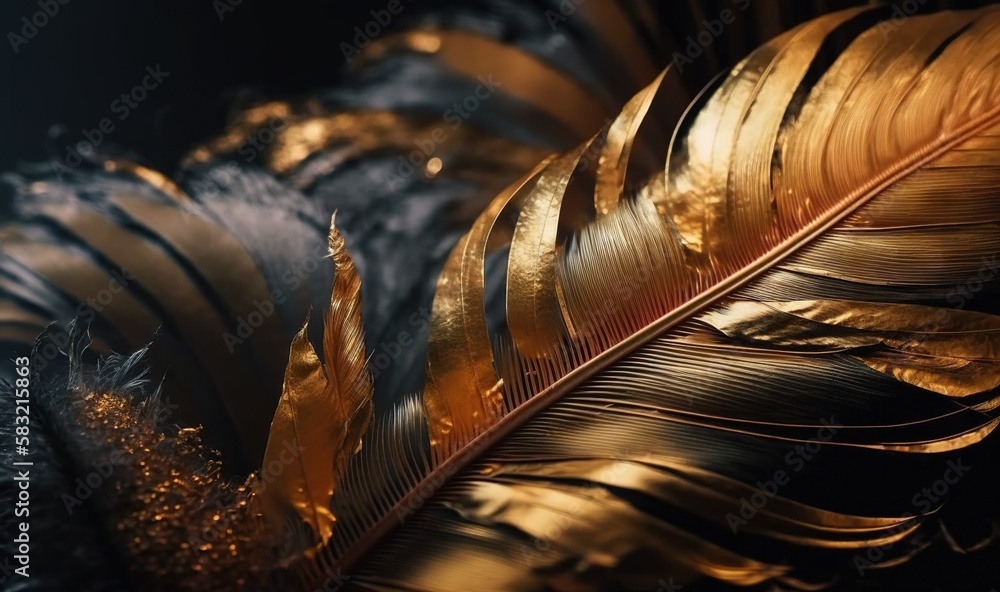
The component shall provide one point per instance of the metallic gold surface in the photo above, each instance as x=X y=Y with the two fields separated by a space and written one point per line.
x=246 y=124
x=173 y=515
x=582 y=516
x=154 y=178
x=534 y=308
x=310 y=143
x=799 y=161
x=519 y=73
x=609 y=20
x=952 y=352
x=323 y=412
x=303 y=481
x=344 y=358
x=617 y=151
x=460 y=353
x=713 y=497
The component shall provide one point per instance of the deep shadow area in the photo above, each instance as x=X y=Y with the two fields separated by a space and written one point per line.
x=65 y=76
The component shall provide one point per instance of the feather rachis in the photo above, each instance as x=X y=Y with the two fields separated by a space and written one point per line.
x=616 y=387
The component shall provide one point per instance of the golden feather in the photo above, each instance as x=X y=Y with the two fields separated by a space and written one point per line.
x=771 y=313
x=323 y=411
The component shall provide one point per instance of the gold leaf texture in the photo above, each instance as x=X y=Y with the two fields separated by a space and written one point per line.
x=323 y=411
x=797 y=305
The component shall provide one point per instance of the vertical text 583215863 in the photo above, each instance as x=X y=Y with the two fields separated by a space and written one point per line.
x=22 y=464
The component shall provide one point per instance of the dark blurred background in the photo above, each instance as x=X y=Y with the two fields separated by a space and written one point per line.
x=218 y=54
x=64 y=76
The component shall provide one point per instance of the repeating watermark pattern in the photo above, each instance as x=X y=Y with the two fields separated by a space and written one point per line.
x=220 y=178
x=924 y=502
x=454 y=116
x=122 y=107
x=958 y=297
x=255 y=143
x=102 y=471
x=711 y=30
x=33 y=23
x=86 y=311
x=292 y=279
x=366 y=33
x=216 y=181
x=966 y=291
x=119 y=280
x=218 y=529
x=795 y=460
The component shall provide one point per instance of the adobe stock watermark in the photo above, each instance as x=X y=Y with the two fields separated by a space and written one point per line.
x=223 y=7
x=795 y=459
x=220 y=178
x=711 y=31
x=959 y=297
x=366 y=33
x=255 y=143
x=92 y=481
x=218 y=529
x=455 y=116
x=293 y=279
x=122 y=107
x=387 y=351
x=567 y=8
x=967 y=290
x=901 y=12
x=924 y=501
x=86 y=311
x=33 y=23
x=335 y=580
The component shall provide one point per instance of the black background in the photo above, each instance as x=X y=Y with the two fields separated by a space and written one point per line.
x=65 y=78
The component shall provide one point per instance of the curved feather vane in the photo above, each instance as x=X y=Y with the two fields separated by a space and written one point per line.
x=707 y=380
x=460 y=351
x=323 y=411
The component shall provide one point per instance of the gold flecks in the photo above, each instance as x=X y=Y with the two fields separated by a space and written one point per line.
x=153 y=177
x=434 y=166
x=246 y=125
x=181 y=524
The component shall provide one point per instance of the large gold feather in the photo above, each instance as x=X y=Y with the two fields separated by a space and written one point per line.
x=693 y=384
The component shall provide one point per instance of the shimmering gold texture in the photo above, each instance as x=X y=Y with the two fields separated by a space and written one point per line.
x=323 y=411
x=459 y=348
x=153 y=177
x=304 y=131
x=177 y=520
x=661 y=336
x=517 y=73
x=534 y=302
x=952 y=352
x=621 y=136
